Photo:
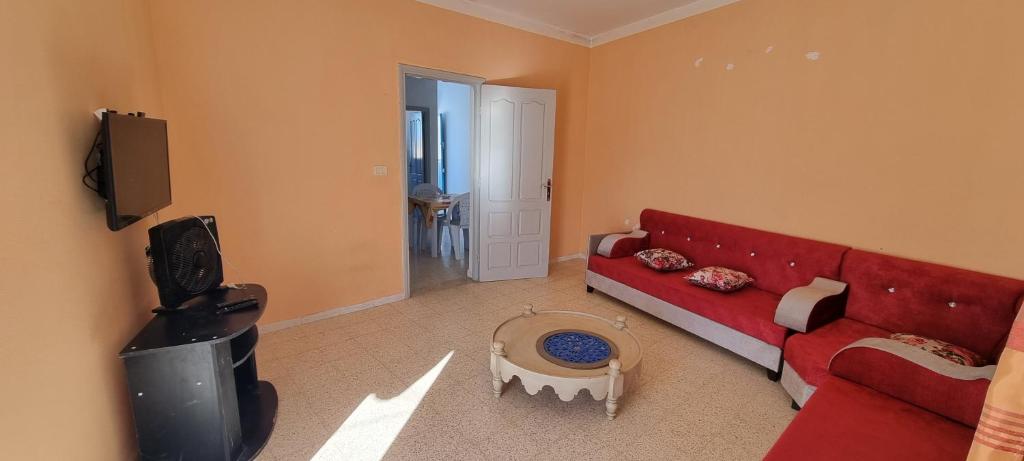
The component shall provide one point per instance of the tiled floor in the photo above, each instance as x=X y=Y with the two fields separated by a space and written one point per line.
x=427 y=273
x=697 y=401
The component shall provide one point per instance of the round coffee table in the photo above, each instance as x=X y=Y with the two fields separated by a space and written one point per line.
x=569 y=351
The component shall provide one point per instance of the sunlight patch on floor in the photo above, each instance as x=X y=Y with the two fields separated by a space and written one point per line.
x=371 y=429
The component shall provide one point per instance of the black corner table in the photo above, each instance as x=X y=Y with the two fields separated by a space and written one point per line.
x=193 y=385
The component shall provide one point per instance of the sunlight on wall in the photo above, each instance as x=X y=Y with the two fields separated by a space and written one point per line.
x=371 y=429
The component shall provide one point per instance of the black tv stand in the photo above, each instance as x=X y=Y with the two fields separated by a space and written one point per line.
x=193 y=385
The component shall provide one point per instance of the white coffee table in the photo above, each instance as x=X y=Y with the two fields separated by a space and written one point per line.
x=517 y=350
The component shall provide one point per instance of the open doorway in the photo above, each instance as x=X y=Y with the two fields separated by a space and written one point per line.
x=439 y=135
x=506 y=209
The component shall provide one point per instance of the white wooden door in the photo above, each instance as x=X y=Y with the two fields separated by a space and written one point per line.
x=517 y=146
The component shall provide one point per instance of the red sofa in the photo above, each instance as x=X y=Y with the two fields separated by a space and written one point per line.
x=876 y=398
x=743 y=321
x=873 y=397
x=846 y=421
x=895 y=295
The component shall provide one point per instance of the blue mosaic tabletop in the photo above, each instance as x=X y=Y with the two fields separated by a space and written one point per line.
x=577 y=347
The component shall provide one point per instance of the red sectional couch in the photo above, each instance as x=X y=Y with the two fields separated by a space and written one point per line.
x=895 y=295
x=875 y=398
x=743 y=321
x=829 y=311
x=846 y=421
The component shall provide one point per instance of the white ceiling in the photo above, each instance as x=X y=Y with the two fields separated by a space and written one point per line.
x=584 y=22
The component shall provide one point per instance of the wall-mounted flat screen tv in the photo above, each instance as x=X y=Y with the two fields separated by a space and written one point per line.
x=136 y=171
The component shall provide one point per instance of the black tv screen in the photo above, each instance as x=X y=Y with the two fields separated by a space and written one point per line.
x=136 y=172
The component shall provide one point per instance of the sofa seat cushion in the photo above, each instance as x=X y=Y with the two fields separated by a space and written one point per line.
x=750 y=311
x=847 y=421
x=809 y=353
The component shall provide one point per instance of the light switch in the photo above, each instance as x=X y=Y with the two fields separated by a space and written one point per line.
x=380 y=170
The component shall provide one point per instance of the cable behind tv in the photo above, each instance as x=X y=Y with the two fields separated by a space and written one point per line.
x=216 y=245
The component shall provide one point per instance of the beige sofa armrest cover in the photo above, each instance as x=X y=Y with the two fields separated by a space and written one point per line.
x=797 y=306
x=595 y=241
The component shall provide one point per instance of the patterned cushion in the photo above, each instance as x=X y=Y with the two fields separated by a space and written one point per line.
x=951 y=352
x=720 y=279
x=661 y=259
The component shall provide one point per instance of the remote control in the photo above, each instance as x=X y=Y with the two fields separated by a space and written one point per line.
x=224 y=308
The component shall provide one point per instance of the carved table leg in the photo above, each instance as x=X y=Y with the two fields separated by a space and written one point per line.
x=613 y=402
x=497 y=351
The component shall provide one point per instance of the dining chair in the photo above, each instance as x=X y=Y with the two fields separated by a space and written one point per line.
x=426 y=191
x=460 y=214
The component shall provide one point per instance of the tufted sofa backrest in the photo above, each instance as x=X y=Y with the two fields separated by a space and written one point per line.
x=966 y=308
x=777 y=262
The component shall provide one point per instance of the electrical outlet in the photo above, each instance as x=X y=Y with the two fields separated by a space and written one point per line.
x=628 y=221
x=380 y=170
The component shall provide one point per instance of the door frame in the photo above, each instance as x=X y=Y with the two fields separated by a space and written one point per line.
x=406 y=70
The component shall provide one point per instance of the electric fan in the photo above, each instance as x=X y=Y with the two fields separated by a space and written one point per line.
x=184 y=259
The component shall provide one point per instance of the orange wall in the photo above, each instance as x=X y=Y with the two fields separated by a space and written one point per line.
x=72 y=293
x=905 y=137
x=279 y=110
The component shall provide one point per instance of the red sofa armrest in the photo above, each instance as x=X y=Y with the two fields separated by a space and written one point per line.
x=808 y=307
x=619 y=245
x=915 y=376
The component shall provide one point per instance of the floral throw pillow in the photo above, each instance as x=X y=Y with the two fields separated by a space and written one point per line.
x=951 y=352
x=719 y=279
x=663 y=260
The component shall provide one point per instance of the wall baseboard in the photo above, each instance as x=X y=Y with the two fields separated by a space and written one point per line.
x=330 y=313
x=284 y=324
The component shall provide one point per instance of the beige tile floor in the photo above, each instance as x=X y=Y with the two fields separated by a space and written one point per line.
x=427 y=273
x=696 y=401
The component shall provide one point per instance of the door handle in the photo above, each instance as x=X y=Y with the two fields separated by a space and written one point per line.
x=548 y=187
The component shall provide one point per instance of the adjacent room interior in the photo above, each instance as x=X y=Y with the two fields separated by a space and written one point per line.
x=512 y=229
x=438 y=150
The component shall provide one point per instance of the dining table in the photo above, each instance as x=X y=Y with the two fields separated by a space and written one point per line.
x=429 y=208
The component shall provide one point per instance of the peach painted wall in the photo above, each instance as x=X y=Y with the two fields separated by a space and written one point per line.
x=904 y=137
x=280 y=110
x=72 y=293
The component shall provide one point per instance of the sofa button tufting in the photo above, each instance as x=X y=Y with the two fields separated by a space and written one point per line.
x=952 y=304
x=753 y=253
x=718 y=245
x=891 y=290
x=792 y=264
x=689 y=239
x=662 y=232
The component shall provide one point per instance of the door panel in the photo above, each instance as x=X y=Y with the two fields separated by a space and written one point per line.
x=516 y=158
x=501 y=146
x=530 y=222
x=499 y=256
x=532 y=157
x=499 y=224
x=529 y=254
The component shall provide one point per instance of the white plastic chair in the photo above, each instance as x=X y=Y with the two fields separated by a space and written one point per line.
x=426 y=191
x=460 y=214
